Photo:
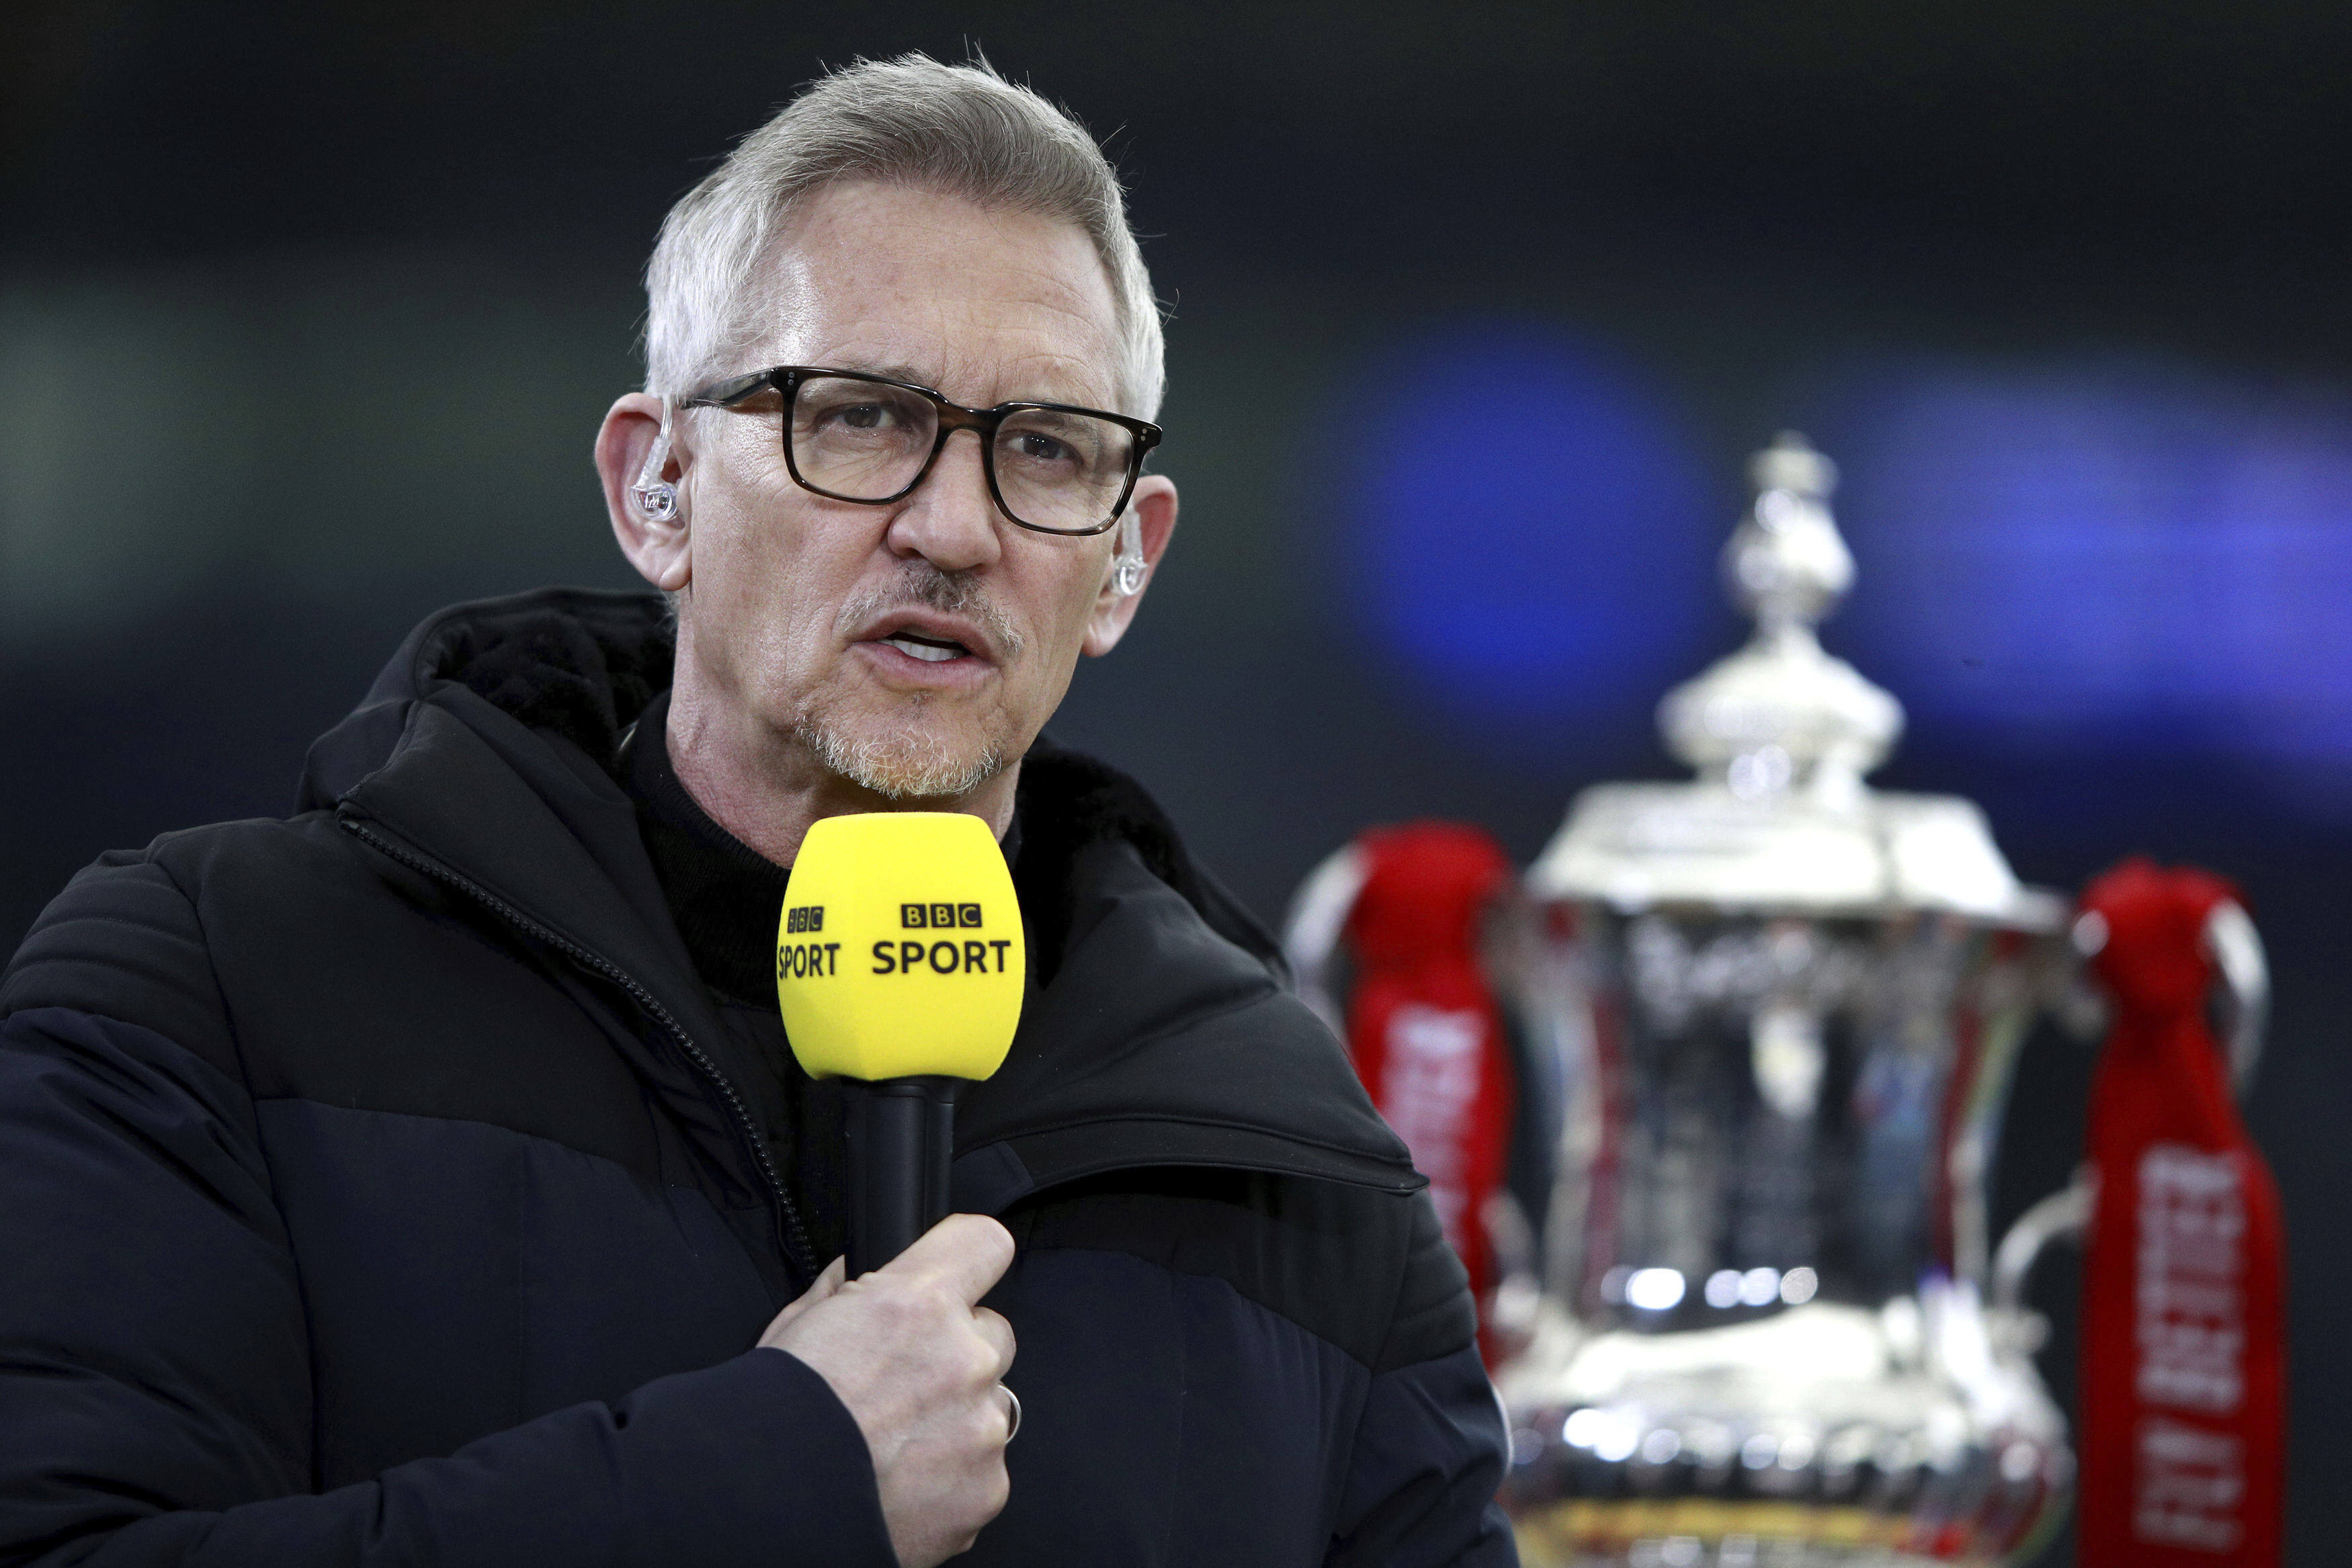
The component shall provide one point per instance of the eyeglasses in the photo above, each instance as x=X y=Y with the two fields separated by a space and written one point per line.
x=1051 y=467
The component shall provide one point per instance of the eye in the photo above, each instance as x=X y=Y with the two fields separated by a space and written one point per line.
x=1039 y=447
x=839 y=409
x=861 y=416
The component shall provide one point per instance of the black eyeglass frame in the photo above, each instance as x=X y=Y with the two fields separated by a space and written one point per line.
x=729 y=394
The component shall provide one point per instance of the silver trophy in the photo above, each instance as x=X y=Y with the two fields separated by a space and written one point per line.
x=1784 y=1008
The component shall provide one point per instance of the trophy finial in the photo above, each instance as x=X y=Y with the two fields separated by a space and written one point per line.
x=1781 y=712
x=1786 y=564
x=1792 y=464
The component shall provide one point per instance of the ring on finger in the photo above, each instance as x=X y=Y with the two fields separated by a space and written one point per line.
x=1012 y=1414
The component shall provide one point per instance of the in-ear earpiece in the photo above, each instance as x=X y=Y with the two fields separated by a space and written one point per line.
x=655 y=497
x=1129 y=567
x=657 y=502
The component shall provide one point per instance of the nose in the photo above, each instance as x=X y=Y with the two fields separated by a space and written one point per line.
x=952 y=519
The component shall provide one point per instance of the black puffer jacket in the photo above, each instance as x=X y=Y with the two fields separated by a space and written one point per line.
x=371 y=1191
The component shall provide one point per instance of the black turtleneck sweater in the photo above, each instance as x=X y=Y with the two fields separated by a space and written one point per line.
x=726 y=897
x=724 y=894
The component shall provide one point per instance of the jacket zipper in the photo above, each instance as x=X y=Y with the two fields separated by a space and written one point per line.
x=790 y=1235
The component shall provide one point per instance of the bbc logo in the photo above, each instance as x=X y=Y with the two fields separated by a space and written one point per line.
x=807 y=917
x=939 y=916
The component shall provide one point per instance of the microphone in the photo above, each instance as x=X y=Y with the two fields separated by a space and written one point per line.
x=899 y=966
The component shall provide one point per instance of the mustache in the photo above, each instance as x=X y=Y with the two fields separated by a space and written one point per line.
x=922 y=584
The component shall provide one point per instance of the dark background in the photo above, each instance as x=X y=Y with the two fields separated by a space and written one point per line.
x=307 y=317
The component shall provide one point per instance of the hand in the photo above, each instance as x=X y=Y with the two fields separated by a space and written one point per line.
x=916 y=1363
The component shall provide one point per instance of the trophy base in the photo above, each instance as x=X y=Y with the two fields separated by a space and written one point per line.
x=1697 y=1533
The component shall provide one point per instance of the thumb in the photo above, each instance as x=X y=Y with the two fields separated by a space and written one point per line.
x=965 y=1253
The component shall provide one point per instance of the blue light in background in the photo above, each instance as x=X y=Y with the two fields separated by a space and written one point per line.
x=1536 y=544
x=2114 y=555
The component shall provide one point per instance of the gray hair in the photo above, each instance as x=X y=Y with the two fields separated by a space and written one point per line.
x=959 y=130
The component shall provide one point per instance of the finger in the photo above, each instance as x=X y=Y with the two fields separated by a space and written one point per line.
x=825 y=1285
x=965 y=1253
x=991 y=1327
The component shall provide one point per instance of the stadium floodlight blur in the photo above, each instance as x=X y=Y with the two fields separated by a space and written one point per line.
x=1526 y=506
x=2118 y=556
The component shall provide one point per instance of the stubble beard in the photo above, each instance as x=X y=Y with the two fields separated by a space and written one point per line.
x=908 y=761
x=904 y=756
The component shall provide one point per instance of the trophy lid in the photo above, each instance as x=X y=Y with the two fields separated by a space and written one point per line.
x=1781 y=734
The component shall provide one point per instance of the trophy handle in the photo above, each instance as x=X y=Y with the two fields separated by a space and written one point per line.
x=1310 y=931
x=2241 y=1003
x=2061 y=1216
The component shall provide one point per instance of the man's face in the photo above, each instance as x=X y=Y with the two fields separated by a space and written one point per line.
x=913 y=648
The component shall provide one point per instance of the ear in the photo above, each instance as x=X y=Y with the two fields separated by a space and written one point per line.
x=1154 y=507
x=658 y=547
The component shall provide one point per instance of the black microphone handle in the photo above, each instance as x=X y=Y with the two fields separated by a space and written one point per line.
x=901 y=1137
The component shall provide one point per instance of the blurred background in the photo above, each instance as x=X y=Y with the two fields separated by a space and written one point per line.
x=307 y=317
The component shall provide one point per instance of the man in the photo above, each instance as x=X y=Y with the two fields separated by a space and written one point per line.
x=426 y=1178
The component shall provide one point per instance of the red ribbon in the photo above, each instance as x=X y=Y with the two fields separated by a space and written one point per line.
x=1422 y=1027
x=2183 y=1328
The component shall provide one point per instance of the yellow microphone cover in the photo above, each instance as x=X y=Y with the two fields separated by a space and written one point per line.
x=900 y=950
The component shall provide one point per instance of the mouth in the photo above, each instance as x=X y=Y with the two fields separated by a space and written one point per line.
x=929 y=650
x=922 y=648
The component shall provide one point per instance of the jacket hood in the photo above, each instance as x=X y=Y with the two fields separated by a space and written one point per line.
x=1159 y=1029
x=573 y=664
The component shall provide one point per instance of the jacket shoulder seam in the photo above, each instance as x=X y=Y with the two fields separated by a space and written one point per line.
x=212 y=972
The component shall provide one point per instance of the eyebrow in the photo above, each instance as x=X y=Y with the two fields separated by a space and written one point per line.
x=900 y=373
x=894 y=372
